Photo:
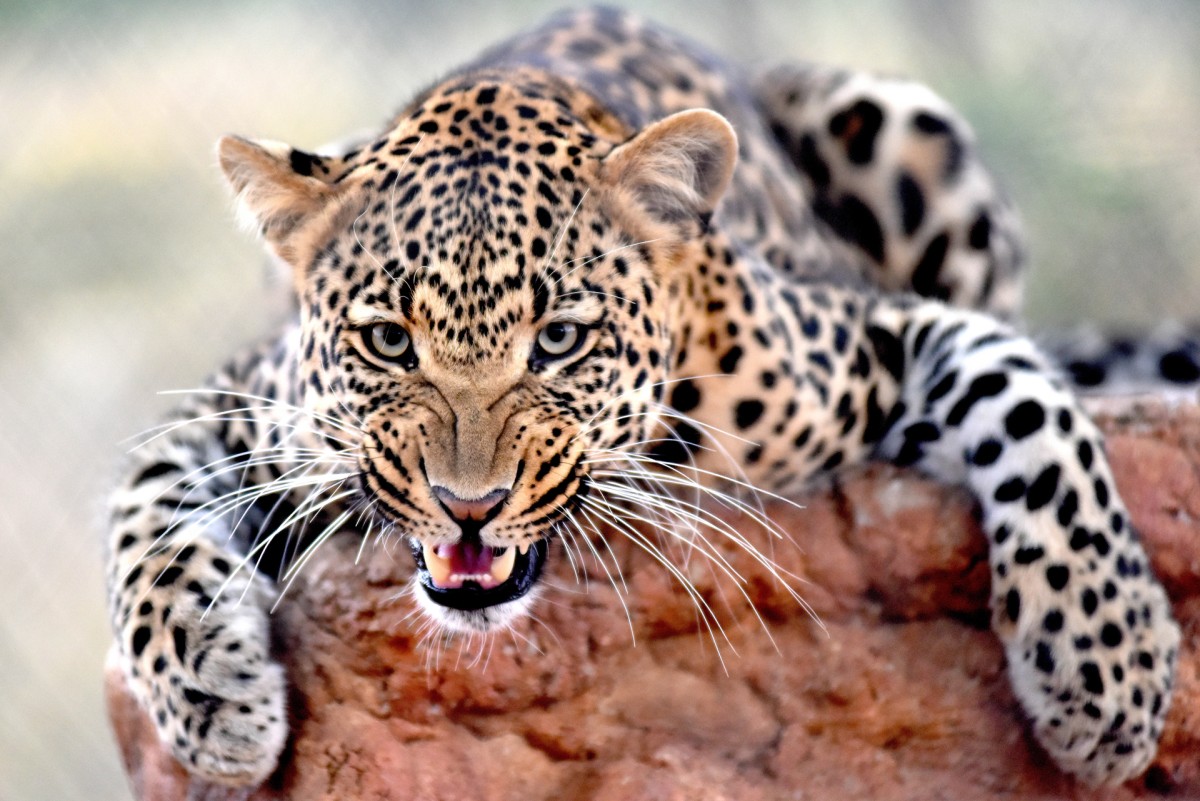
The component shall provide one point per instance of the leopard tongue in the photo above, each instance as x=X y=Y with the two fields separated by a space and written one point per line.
x=451 y=565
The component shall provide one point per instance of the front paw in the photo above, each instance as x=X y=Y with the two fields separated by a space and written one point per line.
x=1091 y=646
x=203 y=670
x=226 y=720
x=232 y=740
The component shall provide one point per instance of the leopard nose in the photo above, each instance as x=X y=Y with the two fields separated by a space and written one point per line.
x=473 y=510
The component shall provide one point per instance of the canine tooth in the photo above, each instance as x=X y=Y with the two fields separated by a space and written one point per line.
x=523 y=548
x=438 y=566
x=502 y=565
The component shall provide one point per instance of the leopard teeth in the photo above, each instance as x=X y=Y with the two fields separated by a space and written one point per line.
x=438 y=566
x=502 y=565
x=441 y=576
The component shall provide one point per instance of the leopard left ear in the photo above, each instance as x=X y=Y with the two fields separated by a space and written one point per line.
x=675 y=170
x=279 y=189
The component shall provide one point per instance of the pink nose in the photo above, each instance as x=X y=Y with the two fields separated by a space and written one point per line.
x=463 y=510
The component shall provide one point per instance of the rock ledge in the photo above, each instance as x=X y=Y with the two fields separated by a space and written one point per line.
x=899 y=692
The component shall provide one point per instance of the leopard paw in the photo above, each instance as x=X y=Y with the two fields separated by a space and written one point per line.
x=199 y=661
x=1091 y=654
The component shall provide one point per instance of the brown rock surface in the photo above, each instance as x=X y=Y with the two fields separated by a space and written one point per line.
x=899 y=693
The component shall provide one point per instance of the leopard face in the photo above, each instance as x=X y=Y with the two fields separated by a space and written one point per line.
x=485 y=298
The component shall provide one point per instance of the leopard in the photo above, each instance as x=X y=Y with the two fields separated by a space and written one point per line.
x=599 y=253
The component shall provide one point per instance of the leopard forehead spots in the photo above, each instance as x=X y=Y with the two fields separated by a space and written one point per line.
x=471 y=212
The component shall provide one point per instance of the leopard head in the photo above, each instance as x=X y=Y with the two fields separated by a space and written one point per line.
x=487 y=296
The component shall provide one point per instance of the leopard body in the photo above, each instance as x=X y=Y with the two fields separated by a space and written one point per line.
x=600 y=247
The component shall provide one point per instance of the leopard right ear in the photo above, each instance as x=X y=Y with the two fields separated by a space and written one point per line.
x=279 y=189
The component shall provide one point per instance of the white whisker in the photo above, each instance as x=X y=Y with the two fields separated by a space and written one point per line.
x=707 y=616
x=600 y=561
x=562 y=230
x=392 y=203
x=602 y=255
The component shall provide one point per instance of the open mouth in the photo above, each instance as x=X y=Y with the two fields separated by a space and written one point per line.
x=469 y=575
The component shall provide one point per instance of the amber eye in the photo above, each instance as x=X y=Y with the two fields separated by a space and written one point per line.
x=557 y=340
x=389 y=342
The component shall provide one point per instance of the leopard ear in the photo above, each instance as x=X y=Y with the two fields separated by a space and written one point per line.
x=676 y=170
x=279 y=189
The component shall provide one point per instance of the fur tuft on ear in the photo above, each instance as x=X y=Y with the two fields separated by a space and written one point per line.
x=675 y=170
x=278 y=188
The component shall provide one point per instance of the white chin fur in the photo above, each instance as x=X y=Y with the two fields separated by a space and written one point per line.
x=479 y=621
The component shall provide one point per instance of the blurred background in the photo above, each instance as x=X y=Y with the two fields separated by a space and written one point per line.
x=122 y=274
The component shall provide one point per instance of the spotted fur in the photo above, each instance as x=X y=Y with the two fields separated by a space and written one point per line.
x=596 y=248
x=1165 y=358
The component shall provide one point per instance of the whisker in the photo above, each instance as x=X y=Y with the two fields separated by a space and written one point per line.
x=549 y=630
x=588 y=292
x=744 y=484
x=214 y=509
x=268 y=402
x=602 y=255
x=670 y=531
x=392 y=203
x=519 y=638
x=702 y=517
x=600 y=561
x=229 y=416
x=562 y=230
x=717 y=560
x=262 y=545
x=567 y=540
x=675 y=479
x=708 y=617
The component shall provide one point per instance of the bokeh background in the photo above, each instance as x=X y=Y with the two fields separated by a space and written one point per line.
x=121 y=272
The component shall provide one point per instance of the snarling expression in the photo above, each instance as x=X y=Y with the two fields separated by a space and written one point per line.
x=485 y=292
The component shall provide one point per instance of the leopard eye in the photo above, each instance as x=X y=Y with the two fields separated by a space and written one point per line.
x=388 y=342
x=558 y=340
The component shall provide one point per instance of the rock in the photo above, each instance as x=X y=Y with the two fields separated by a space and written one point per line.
x=893 y=688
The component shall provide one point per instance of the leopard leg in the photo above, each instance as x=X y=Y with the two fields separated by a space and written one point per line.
x=895 y=170
x=1088 y=631
x=190 y=615
x=845 y=376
